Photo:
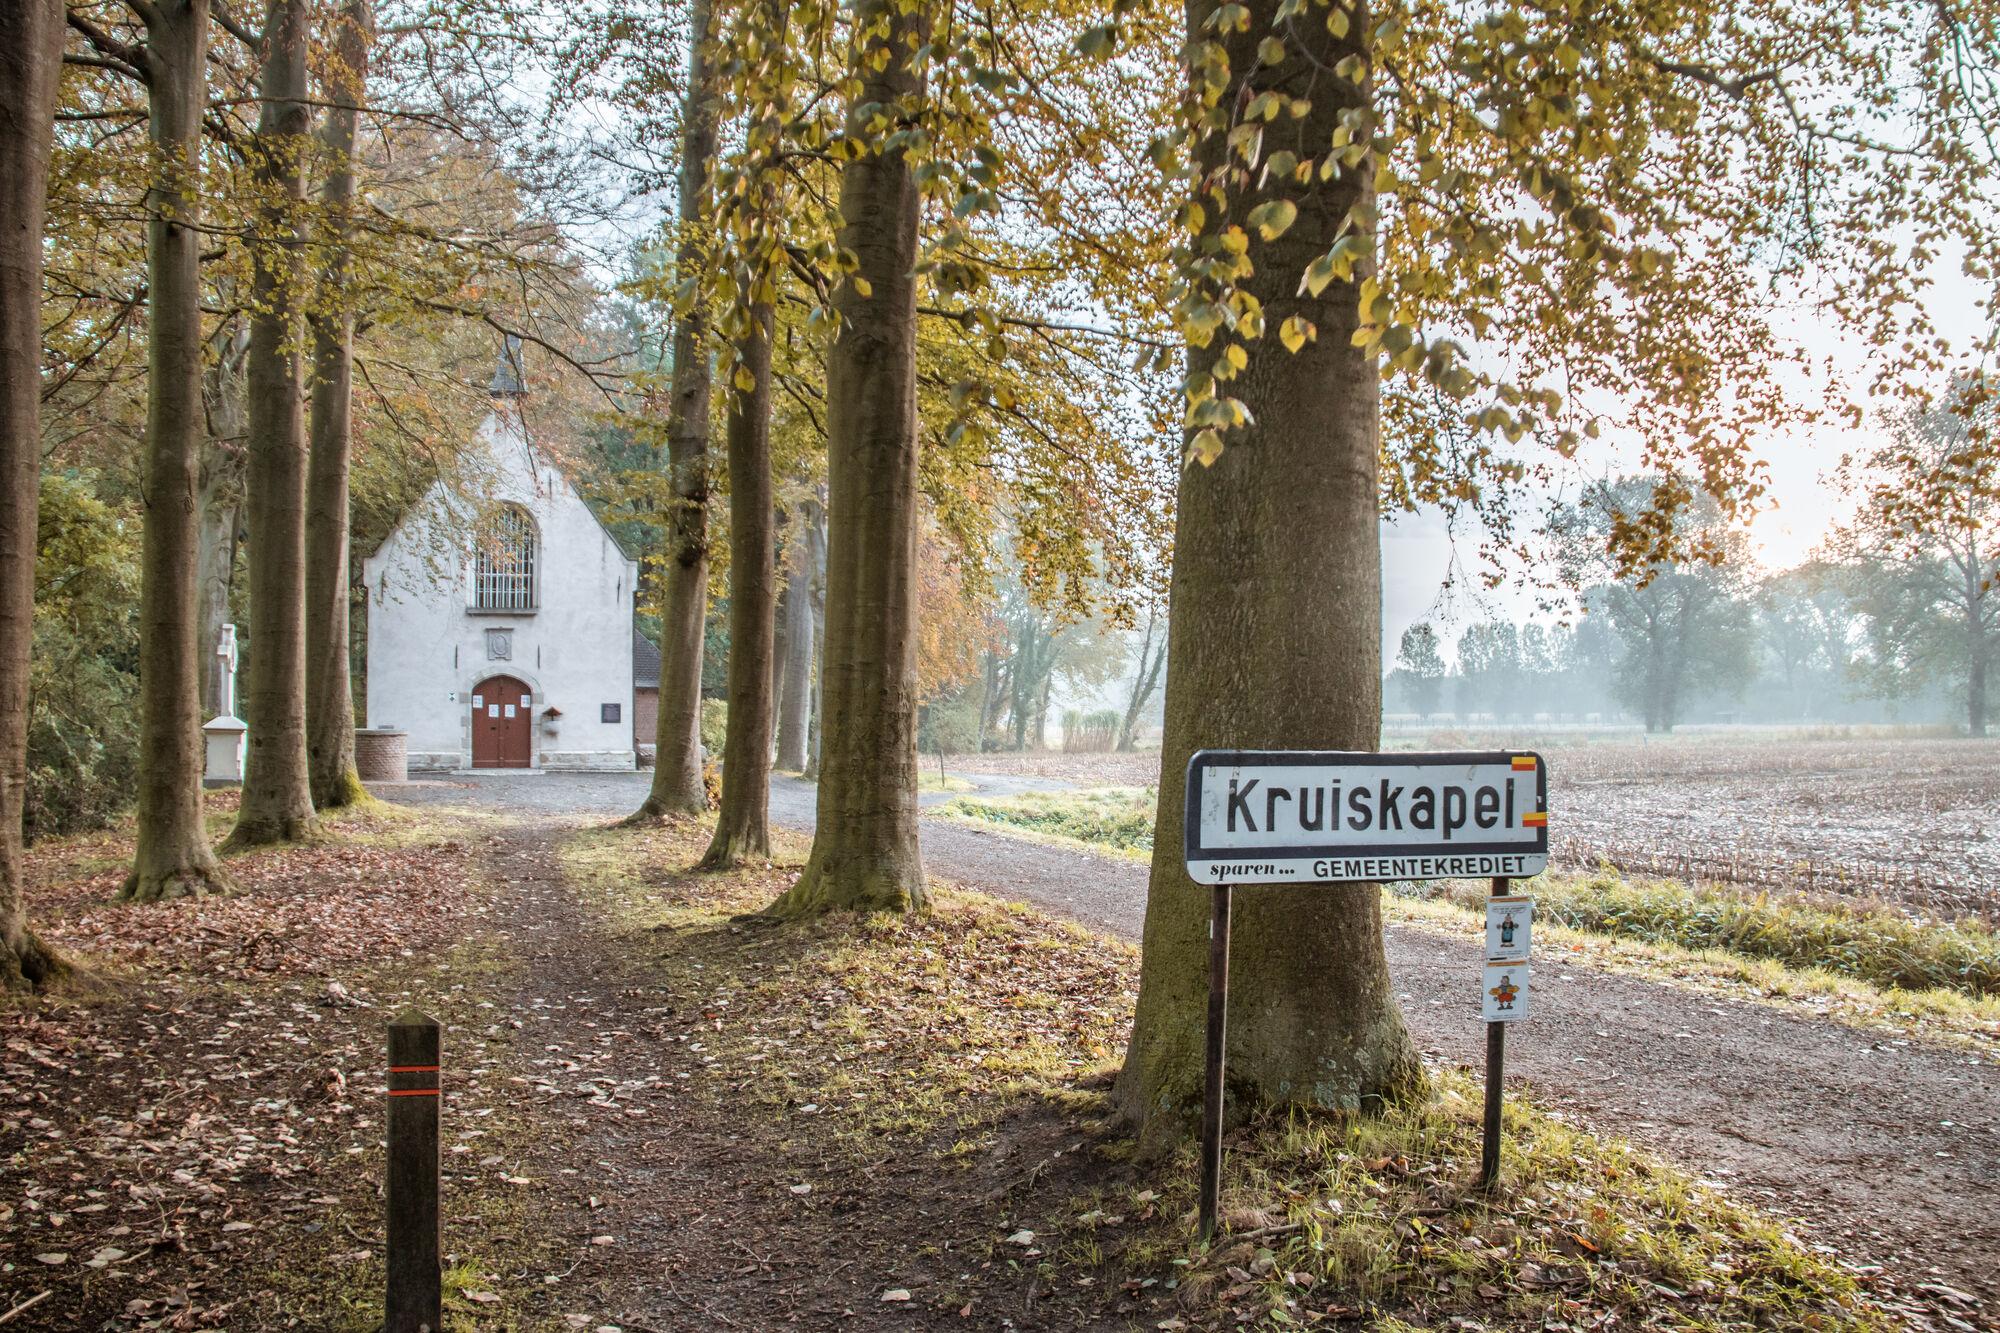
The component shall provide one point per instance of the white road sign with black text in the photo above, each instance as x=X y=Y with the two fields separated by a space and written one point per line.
x=1282 y=816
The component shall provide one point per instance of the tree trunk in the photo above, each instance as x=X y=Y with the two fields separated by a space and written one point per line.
x=277 y=790
x=31 y=38
x=743 y=820
x=173 y=856
x=329 y=690
x=221 y=508
x=817 y=674
x=677 y=785
x=1151 y=659
x=864 y=853
x=795 y=663
x=1975 y=677
x=1274 y=641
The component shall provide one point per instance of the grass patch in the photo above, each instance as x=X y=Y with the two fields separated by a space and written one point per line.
x=1873 y=944
x=929 y=781
x=870 y=1039
x=1933 y=1015
x=1379 y=1217
x=1876 y=945
x=930 y=1024
x=1116 y=818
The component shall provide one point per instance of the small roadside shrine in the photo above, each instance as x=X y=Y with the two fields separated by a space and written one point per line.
x=1315 y=817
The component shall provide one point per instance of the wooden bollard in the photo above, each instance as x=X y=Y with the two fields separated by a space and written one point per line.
x=415 y=1301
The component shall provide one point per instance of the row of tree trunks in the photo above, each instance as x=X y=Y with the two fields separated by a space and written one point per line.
x=173 y=856
x=864 y=852
x=31 y=35
x=677 y=777
x=277 y=791
x=1275 y=641
x=329 y=690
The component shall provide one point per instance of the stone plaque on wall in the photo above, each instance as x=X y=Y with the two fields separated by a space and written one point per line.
x=499 y=645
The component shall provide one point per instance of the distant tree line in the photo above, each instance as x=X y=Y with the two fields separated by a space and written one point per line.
x=1898 y=618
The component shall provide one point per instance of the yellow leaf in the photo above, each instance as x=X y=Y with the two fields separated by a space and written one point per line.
x=1274 y=218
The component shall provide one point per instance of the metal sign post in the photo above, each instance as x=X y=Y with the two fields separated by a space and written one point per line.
x=1329 y=817
x=1218 y=1029
x=1496 y=1076
x=1505 y=979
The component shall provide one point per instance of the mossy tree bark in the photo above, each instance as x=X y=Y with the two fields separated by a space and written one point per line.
x=864 y=853
x=677 y=786
x=743 y=818
x=173 y=856
x=277 y=790
x=31 y=39
x=1274 y=642
x=329 y=689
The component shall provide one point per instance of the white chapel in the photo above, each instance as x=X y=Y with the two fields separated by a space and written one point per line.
x=500 y=631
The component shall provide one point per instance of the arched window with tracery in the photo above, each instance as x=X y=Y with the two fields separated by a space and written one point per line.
x=504 y=565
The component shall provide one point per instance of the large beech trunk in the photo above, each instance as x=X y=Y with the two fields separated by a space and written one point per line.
x=795 y=651
x=1275 y=642
x=31 y=36
x=677 y=785
x=277 y=791
x=743 y=819
x=329 y=690
x=864 y=851
x=173 y=856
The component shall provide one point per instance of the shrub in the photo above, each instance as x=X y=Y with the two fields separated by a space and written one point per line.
x=83 y=684
x=1089 y=733
x=714 y=724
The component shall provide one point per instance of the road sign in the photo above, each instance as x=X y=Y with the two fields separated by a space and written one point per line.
x=1509 y=922
x=1506 y=992
x=1280 y=816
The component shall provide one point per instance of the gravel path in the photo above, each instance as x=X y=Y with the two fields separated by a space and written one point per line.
x=1890 y=1148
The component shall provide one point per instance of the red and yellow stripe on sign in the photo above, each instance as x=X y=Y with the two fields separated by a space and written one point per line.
x=1524 y=763
x=1535 y=819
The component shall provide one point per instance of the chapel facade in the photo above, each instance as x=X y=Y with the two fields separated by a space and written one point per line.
x=500 y=629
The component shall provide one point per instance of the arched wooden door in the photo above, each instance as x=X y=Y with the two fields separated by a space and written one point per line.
x=500 y=720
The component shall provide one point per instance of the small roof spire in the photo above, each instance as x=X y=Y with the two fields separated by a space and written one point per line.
x=507 y=381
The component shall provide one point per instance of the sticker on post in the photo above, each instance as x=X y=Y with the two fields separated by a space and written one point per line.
x=1506 y=997
x=1509 y=922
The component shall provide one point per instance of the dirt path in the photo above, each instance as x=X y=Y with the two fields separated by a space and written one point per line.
x=699 y=1217
x=1888 y=1147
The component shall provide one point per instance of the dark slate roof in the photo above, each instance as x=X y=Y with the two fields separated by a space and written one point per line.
x=645 y=662
x=506 y=381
